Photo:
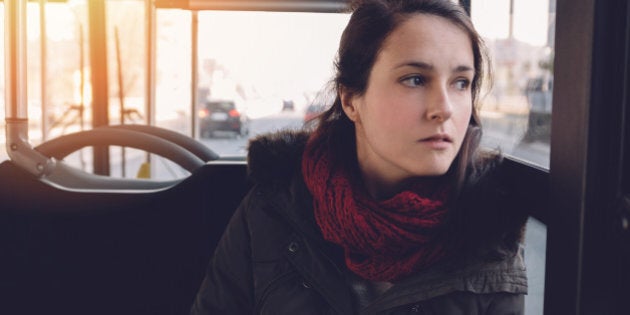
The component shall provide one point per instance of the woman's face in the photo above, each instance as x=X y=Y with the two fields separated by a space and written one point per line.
x=413 y=116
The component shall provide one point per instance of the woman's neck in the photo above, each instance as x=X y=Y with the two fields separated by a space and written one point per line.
x=380 y=188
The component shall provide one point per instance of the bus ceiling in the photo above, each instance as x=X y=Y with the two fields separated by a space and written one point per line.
x=323 y=6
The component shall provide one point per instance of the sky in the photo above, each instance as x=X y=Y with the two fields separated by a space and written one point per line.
x=491 y=18
x=275 y=50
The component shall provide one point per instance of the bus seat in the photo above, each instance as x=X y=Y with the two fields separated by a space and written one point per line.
x=111 y=252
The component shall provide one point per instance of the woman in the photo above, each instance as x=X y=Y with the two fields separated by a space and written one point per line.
x=387 y=207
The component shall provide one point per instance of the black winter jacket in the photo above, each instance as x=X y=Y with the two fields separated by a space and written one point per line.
x=272 y=258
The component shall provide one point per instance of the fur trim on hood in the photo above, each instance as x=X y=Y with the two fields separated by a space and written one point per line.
x=276 y=157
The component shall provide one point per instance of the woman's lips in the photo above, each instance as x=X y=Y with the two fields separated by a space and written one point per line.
x=437 y=142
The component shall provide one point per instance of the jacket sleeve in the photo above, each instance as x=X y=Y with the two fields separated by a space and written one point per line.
x=227 y=287
x=492 y=212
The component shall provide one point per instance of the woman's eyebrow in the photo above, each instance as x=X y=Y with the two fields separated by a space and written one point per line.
x=416 y=64
x=463 y=68
x=429 y=67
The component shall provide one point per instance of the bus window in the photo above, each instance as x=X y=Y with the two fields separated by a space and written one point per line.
x=267 y=68
x=59 y=77
x=516 y=112
x=256 y=60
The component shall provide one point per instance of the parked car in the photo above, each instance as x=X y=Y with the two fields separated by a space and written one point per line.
x=221 y=116
x=539 y=92
x=288 y=106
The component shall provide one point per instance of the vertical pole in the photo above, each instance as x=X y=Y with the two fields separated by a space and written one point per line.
x=15 y=97
x=150 y=31
x=511 y=26
x=81 y=89
x=15 y=59
x=44 y=71
x=98 y=66
x=81 y=77
x=511 y=51
x=194 y=73
x=121 y=97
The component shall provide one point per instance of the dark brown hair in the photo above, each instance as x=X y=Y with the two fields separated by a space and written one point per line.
x=370 y=24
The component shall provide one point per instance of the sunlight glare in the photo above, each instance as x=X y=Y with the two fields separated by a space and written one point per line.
x=491 y=18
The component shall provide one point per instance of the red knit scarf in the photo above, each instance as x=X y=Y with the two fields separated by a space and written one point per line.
x=382 y=240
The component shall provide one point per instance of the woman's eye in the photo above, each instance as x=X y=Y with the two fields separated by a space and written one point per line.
x=413 y=81
x=462 y=84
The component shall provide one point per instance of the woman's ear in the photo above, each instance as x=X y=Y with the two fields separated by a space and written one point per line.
x=348 y=103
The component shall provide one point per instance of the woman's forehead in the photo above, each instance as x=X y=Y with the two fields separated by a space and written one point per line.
x=430 y=39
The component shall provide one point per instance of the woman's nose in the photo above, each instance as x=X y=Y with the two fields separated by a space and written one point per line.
x=439 y=107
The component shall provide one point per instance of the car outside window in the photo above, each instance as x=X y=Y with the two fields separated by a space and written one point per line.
x=271 y=65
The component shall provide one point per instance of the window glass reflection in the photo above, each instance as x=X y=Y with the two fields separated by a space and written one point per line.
x=516 y=112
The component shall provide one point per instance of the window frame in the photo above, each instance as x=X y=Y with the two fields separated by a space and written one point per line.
x=585 y=243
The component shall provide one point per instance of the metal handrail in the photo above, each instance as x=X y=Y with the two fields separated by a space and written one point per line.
x=18 y=147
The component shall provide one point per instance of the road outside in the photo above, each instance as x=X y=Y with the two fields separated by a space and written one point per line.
x=229 y=145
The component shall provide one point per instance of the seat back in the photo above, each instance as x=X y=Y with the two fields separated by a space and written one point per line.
x=107 y=252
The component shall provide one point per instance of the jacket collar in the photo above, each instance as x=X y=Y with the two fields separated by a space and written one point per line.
x=276 y=157
x=274 y=165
